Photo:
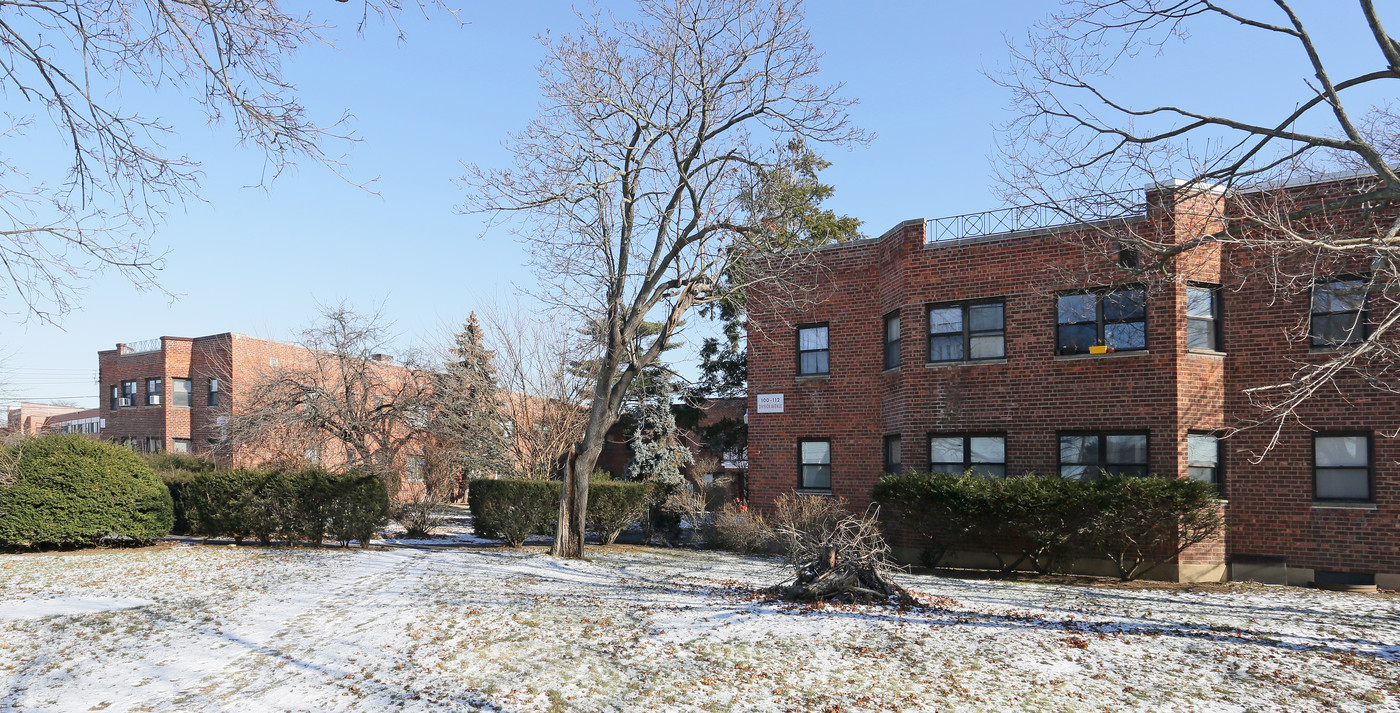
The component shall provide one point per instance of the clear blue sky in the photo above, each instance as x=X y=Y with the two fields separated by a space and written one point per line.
x=258 y=261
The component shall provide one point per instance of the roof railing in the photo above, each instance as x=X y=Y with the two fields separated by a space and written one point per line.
x=141 y=347
x=1041 y=216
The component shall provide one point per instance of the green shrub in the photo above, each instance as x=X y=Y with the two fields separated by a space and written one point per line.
x=69 y=490
x=362 y=506
x=1140 y=523
x=309 y=504
x=176 y=470
x=1136 y=523
x=512 y=510
x=613 y=506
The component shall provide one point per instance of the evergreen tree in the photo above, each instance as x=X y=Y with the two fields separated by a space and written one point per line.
x=657 y=448
x=468 y=424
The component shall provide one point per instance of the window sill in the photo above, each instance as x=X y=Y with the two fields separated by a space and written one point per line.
x=1341 y=505
x=964 y=362
x=1205 y=352
x=892 y=369
x=813 y=377
x=1340 y=348
x=1106 y=355
x=813 y=491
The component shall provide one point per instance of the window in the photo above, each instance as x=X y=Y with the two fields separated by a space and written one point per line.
x=982 y=454
x=967 y=332
x=816 y=464
x=1203 y=318
x=213 y=392
x=180 y=392
x=1338 y=312
x=153 y=392
x=313 y=455
x=1203 y=457
x=892 y=355
x=894 y=458
x=155 y=444
x=1116 y=320
x=116 y=397
x=1342 y=466
x=128 y=393
x=1084 y=455
x=414 y=469
x=180 y=445
x=813 y=353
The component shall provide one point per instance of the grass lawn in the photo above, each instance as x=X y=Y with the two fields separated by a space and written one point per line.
x=219 y=628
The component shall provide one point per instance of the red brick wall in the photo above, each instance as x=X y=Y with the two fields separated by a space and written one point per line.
x=1168 y=391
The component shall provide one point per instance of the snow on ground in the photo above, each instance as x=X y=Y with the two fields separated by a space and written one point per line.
x=217 y=628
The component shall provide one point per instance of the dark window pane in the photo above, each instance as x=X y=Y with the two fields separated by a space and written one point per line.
x=1078 y=308
x=989 y=470
x=1128 y=335
x=945 y=348
x=944 y=320
x=814 y=362
x=993 y=347
x=891 y=355
x=1201 y=473
x=1076 y=339
x=1200 y=302
x=1333 y=329
x=984 y=318
x=1124 y=304
x=1200 y=334
x=1079 y=472
x=816 y=476
x=1343 y=484
x=1126 y=449
x=948 y=468
x=1132 y=471
x=1079 y=449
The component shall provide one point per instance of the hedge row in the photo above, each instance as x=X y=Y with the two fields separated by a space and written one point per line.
x=308 y=505
x=512 y=510
x=66 y=490
x=1047 y=522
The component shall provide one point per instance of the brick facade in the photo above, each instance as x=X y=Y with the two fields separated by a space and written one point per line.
x=1034 y=394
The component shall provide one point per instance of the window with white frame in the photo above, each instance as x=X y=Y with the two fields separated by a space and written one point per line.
x=180 y=393
x=1203 y=457
x=1203 y=318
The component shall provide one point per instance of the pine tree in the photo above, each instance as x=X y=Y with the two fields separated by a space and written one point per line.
x=658 y=451
x=468 y=423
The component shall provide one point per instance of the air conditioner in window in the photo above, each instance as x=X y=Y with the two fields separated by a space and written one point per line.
x=153 y=399
x=124 y=401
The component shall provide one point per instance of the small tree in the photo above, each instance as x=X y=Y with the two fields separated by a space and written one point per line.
x=466 y=422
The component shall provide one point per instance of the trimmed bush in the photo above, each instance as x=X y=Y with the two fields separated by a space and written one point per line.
x=176 y=470
x=70 y=490
x=1136 y=523
x=309 y=505
x=512 y=510
x=613 y=506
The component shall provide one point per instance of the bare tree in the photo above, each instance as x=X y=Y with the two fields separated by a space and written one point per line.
x=68 y=63
x=343 y=392
x=631 y=181
x=542 y=392
x=1076 y=145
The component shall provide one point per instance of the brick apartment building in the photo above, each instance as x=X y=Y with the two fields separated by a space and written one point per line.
x=31 y=418
x=175 y=393
x=943 y=348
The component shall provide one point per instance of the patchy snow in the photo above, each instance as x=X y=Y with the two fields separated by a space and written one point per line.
x=64 y=606
x=213 y=629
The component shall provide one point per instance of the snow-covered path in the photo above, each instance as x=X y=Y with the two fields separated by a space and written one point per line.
x=204 y=629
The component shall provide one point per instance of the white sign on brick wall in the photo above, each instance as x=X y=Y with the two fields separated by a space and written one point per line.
x=770 y=403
